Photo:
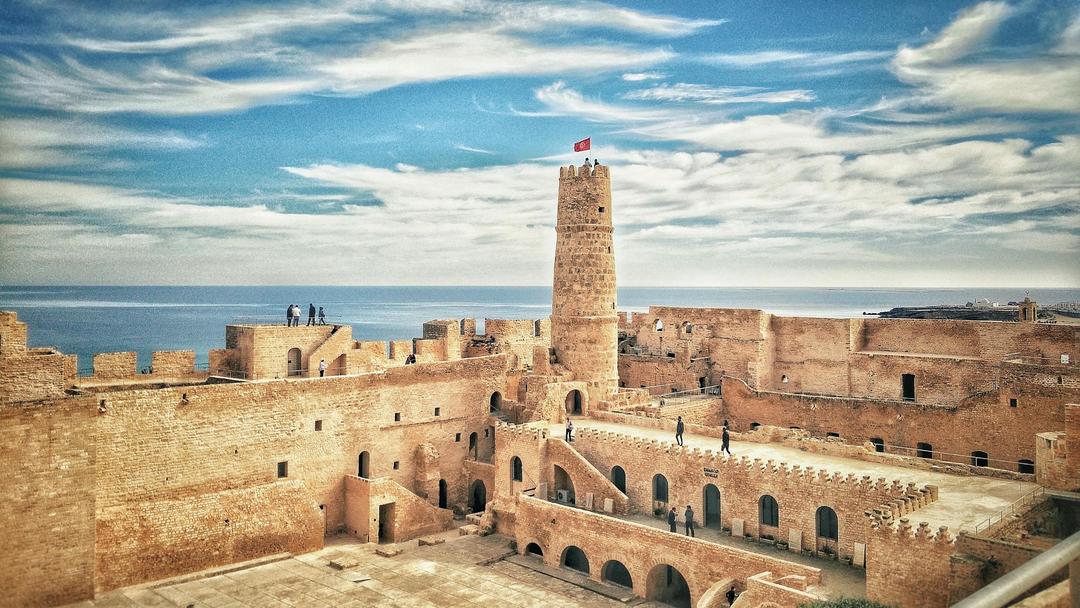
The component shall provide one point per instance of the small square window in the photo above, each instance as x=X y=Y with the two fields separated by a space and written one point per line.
x=318 y=425
x=436 y=411
x=397 y=416
x=397 y=465
x=283 y=469
x=601 y=209
x=1013 y=402
x=457 y=436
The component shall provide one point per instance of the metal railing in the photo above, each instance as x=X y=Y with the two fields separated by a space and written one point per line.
x=1027 y=500
x=1007 y=588
x=680 y=397
x=962 y=459
x=1023 y=359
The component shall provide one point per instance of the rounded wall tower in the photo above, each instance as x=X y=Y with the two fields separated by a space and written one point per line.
x=584 y=320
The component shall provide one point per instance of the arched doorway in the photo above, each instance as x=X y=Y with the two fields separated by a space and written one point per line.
x=534 y=549
x=667 y=585
x=442 y=493
x=618 y=477
x=712 y=506
x=294 y=361
x=515 y=469
x=828 y=530
x=615 y=572
x=659 y=488
x=363 y=468
x=575 y=559
x=473 y=450
x=495 y=402
x=564 y=486
x=573 y=402
x=477 y=497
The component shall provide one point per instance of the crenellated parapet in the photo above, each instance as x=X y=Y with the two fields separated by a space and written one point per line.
x=584 y=171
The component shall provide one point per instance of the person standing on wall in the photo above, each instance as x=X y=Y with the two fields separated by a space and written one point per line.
x=725 y=441
x=288 y=315
x=322 y=367
x=322 y=316
x=295 y=321
x=679 y=428
x=569 y=430
x=689 y=515
x=671 y=520
x=311 y=314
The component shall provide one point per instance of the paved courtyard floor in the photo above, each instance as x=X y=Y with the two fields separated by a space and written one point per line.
x=963 y=501
x=451 y=574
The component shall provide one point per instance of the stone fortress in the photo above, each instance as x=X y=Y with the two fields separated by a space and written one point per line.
x=909 y=462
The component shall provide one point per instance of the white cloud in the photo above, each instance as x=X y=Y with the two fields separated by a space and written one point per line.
x=943 y=68
x=40 y=142
x=465 y=148
x=793 y=58
x=682 y=91
x=640 y=76
x=559 y=99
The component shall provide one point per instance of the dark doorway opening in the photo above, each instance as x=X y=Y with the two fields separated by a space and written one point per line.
x=575 y=559
x=879 y=444
x=668 y=586
x=573 y=403
x=386 y=523
x=442 y=493
x=618 y=478
x=1026 y=466
x=615 y=572
x=473 y=449
x=907 y=385
x=980 y=459
x=363 y=468
x=477 y=497
x=828 y=530
x=495 y=402
x=924 y=450
x=659 y=488
x=712 y=506
x=533 y=549
x=294 y=361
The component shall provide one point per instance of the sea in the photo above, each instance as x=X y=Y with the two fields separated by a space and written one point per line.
x=85 y=320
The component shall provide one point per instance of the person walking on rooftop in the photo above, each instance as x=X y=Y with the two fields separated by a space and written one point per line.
x=311 y=314
x=679 y=428
x=569 y=430
x=671 y=520
x=725 y=441
x=295 y=314
x=322 y=316
x=689 y=515
x=322 y=367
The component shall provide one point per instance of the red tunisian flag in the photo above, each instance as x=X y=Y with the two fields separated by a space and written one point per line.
x=583 y=145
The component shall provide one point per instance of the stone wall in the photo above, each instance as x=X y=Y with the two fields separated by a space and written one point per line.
x=115 y=366
x=32 y=375
x=411 y=516
x=799 y=492
x=643 y=550
x=173 y=362
x=980 y=560
x=47 y=513
x=908 y=570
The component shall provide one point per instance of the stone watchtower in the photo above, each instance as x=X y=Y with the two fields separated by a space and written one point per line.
x=584 y=322
x=1028 y=311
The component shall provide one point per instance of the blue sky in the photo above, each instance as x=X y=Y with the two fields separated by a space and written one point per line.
x=387 y=142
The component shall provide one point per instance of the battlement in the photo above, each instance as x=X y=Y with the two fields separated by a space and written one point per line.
x=584 y=171
x=521 y=431
x=908 y=494
x=904 y=533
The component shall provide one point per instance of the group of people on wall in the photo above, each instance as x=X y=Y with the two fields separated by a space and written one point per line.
x=292 y=315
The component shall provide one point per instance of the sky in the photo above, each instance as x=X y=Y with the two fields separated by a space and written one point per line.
x=390 y=142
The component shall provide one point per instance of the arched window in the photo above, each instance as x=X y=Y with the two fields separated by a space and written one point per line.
x=769 y=512
x=980 y=459
x=827 y=524
x=1026 y=466
x=924 y=450
x=658 y=325
x=515 y=469
x=294 y=360
x=495 y=402
x=754 y=426
x=879 y=444
x=473 y=447
x=832 y=434
x=533 y=549
x=618 y=478
x=363 y=468
x=687 y=327
x=659 y=488
x=615 y=572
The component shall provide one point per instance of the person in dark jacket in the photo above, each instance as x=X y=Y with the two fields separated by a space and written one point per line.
x=288 y=315
x=724 y=442
x=671 y=519
x=311 y=314
x=689 y=523
x=731 y=595
x=679 y=428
